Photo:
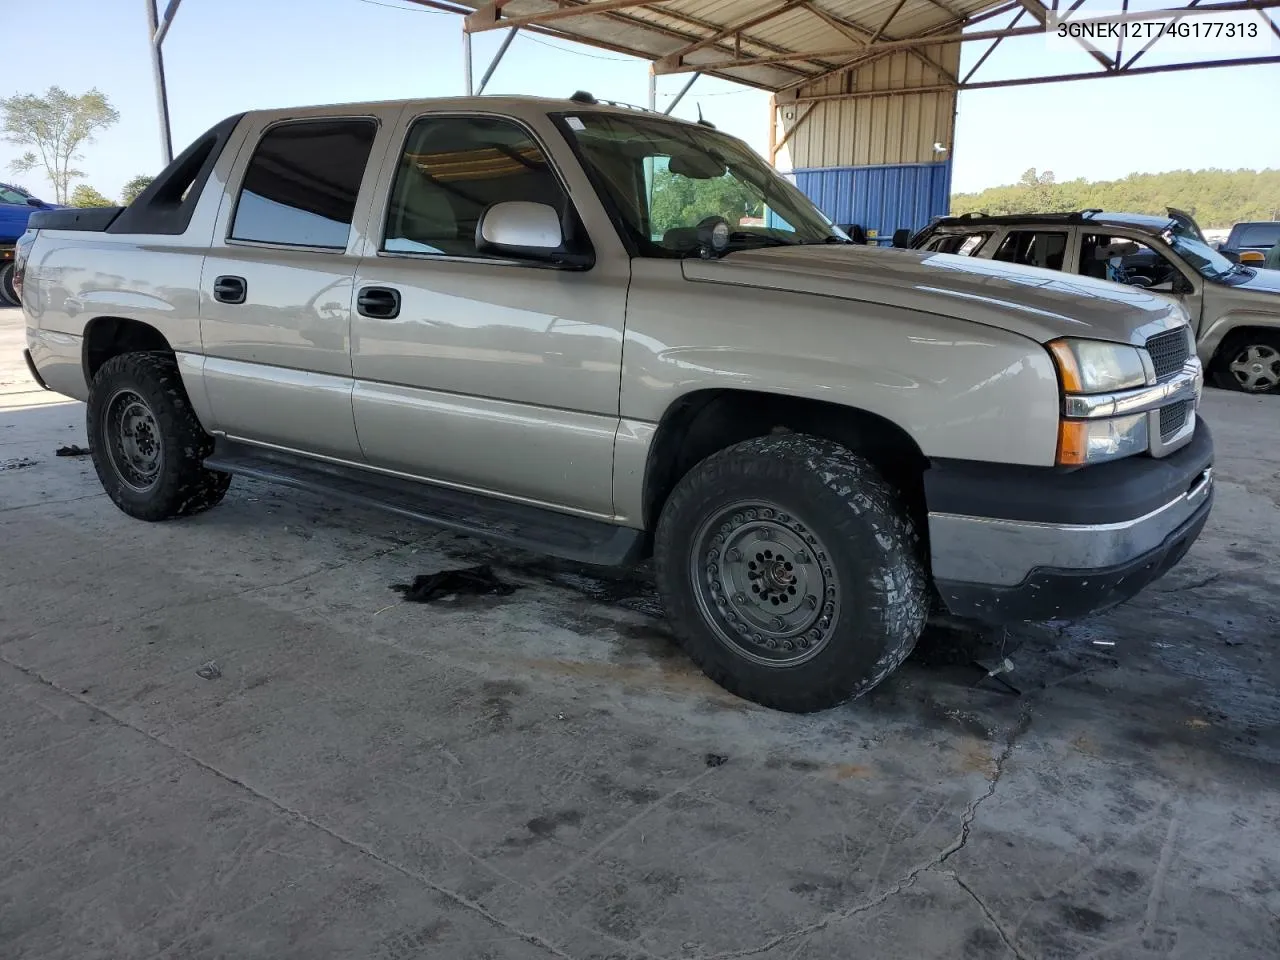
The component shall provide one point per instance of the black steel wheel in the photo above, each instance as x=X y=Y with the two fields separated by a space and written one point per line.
x=791 y=573
x=148 y=446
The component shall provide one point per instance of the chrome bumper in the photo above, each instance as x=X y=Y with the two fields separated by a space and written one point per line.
x=1005 y=552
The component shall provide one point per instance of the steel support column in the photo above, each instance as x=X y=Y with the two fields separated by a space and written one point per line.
x=497 y=58
x=155 y=39
x=466 y=62
x=680 y=96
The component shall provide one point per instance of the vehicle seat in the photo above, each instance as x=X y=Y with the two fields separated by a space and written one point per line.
x=1092 y=262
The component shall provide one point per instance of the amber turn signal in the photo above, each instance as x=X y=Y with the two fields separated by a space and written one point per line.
x=1068 y=369
x=1073 y=443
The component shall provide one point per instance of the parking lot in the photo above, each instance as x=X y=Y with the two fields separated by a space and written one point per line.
x=229 y=737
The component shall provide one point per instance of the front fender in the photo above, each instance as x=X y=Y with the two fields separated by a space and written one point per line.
x=1221 y=328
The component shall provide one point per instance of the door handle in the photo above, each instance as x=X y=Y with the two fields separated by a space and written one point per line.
x=230 y=289
x=378 y=303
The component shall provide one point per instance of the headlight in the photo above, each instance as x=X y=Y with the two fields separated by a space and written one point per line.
x=1094 y=366
x=1088 y=368
x=1082 y=442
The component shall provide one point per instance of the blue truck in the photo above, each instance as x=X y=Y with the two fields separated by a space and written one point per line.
x=16 y=205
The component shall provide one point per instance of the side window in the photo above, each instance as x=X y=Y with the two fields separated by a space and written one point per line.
x=1034 y=248
x=452 y=170
x=1122 y=260
x=961 y=244
x=301 y=185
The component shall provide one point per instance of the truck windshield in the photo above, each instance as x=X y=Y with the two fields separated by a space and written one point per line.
x=11 y=194
x=1211 y=264
x=663 y=178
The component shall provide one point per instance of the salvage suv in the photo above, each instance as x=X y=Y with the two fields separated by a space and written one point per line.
x=542 y=323
x=1234 y=308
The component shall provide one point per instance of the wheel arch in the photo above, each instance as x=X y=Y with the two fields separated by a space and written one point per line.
x=109 y=336
x=1225 y=328
x=1234 y=339
x=700 y=423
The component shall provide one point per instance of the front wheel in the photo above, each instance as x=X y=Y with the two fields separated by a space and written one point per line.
x=148 y=446
x=1249 y=362
x=790 y=571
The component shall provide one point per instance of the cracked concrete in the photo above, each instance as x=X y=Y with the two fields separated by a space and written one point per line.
x=529 y=776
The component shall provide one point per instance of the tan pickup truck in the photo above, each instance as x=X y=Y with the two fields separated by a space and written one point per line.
x=605 y=334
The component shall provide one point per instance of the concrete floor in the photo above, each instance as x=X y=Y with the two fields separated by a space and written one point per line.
x=543 y=775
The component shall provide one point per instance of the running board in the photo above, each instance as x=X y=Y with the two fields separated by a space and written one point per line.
x=535 y=529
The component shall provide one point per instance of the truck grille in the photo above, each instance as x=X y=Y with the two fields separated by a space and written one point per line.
x=1173 y=418
x=1169 y=351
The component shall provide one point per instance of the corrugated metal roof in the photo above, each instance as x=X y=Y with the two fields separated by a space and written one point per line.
x=729 y=34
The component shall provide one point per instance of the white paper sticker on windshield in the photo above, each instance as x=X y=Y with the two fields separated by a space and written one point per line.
x=574 y=123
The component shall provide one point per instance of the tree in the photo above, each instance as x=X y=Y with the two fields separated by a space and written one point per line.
x=85 y=196
x=1216 y=198
x=57 y=125
x=129 y=192
x=683 y=201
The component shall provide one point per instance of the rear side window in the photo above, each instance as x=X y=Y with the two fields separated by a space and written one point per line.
x=1033 y=248
x=452 y=170
x=961 y=244
x=301 y=185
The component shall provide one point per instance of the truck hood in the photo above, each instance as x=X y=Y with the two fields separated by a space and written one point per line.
x=1265 y=283
x=1040 y=304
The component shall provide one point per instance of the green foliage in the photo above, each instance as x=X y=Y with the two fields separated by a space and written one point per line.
x=56 y=125
x=129 y=192
x=85 y=196
x=1216 y=198
x=682 y=201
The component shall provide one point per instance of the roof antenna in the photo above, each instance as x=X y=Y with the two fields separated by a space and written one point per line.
x=705 y=123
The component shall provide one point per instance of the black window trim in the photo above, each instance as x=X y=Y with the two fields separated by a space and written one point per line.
x=231 y=241
x=454 y=114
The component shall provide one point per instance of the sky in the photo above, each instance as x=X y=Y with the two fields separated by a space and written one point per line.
x=227 y=56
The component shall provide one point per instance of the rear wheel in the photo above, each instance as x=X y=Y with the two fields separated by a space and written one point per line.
x=148 y=447
x=8 y=292
x=1249 y=361
x=791 y=572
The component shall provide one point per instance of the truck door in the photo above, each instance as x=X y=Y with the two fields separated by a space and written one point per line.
x=478 y=371
x=276 y=288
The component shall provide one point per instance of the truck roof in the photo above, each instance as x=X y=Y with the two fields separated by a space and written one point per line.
x=513 y=103
x=1137 y=221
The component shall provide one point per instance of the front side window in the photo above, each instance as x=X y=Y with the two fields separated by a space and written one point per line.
x=1128 y=261
x=451 y=171
x=1034 y=248
x=664 y=179
x=301 y=186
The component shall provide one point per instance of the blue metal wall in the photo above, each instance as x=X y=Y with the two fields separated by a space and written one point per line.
x=883 y=197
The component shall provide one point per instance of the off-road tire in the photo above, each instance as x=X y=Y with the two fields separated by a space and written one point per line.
x=180 y=485
x=830 y=496
x=1233 y=348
